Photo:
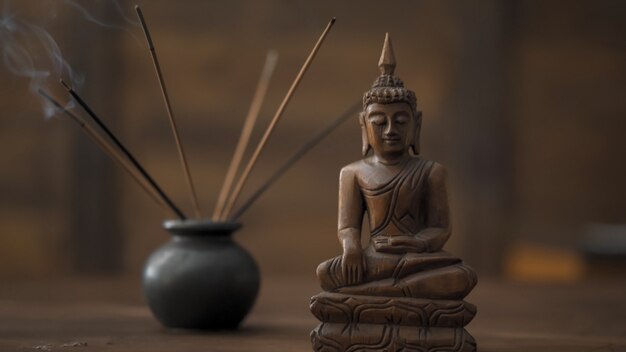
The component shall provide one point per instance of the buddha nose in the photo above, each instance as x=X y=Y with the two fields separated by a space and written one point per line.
x=390 y=129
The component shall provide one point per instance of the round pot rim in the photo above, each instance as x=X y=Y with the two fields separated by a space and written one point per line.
x=200 y=227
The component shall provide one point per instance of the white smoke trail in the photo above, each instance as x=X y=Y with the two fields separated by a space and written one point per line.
x=91 y=18
x=30 y=51
x=122 y=12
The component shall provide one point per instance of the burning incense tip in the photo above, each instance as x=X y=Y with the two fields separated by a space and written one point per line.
x=107 y=148
x=67 y=86
x=127 y=153
x=57 y=105
x=47 y=96
x=333 y=20
x=142 y=20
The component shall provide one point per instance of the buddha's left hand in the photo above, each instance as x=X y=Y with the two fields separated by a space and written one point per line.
x=399 y=244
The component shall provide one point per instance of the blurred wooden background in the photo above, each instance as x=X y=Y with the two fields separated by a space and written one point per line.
x=523 y=101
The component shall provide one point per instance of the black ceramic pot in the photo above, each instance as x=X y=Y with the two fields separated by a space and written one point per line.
x=201 y=279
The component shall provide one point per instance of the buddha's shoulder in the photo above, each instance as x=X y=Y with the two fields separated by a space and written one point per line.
x=361 y=165
x=355 y=168
x=437 y=171
x=433 y=165
x=368 y=163
x=433 y=169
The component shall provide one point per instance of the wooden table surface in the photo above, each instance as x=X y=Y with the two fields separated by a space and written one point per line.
x=109 y=315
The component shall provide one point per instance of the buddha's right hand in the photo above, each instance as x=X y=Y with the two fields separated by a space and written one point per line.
x=400 y=244
x=353 y=266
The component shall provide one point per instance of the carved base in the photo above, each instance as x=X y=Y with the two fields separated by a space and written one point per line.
x=334 y=337
x=370 y=323
x=340 y=308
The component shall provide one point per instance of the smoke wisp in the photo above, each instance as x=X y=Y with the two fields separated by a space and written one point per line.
x=28 y=49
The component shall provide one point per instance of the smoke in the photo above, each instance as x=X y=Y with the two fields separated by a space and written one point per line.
x=91 y=18
x=29 y=50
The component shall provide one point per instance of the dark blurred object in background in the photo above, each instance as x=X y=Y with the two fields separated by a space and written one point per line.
x=604 y=246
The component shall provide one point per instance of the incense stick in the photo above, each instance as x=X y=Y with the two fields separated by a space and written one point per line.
x=170 y=114
x=246 y=173
x=108 y=149
x=295 y=157
x=246 y=131
x=119 y=144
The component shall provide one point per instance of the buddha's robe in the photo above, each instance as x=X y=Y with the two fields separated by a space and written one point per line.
x=400 y=207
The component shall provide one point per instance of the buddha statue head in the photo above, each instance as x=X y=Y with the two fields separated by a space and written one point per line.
x=390 y=122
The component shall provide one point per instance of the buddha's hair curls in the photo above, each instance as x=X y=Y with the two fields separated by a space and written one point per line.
x=389 y=89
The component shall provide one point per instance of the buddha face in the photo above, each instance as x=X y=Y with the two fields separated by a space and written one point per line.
x=389 y=127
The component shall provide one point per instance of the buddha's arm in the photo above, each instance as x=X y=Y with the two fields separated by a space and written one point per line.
x=437 y=230
x=438 y=213
x=349 y=228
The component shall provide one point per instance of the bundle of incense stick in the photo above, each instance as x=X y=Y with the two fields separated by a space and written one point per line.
x=115 y=151
x=227 y=199
x=295 y=157
x=281 y=109
x=244 y=138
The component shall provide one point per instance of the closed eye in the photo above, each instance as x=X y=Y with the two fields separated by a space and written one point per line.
x=401 y=118
x=377 y=119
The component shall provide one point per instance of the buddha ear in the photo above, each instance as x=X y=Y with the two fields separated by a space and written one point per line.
x=365 y=141
x=414 y=148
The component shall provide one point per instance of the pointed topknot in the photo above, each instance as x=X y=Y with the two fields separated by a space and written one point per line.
x=387 y=62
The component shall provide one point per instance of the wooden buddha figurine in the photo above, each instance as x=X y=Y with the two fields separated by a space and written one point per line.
x=401 y=290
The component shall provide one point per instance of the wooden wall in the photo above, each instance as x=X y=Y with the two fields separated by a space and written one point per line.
x=522 y=102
